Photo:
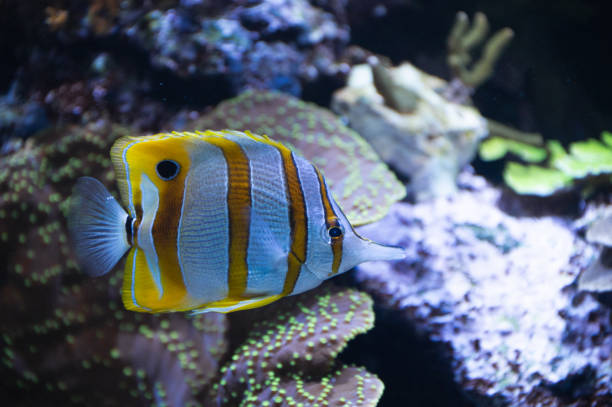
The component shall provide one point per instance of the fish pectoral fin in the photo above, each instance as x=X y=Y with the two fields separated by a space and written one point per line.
x=268 y=242
x=231 y=305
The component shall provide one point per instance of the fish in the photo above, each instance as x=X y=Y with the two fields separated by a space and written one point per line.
x=215 y=221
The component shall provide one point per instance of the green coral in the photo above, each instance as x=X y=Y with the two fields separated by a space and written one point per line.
x=495 y=148
x=288 y=358
x=463 y=39
x=361 y=183
x=533 y=180
x=587 y=163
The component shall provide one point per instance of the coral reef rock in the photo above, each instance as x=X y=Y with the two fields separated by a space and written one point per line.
x=500 y=292
x=288 y=357
x=264 y=44
x=361 y=183
x=429 y=144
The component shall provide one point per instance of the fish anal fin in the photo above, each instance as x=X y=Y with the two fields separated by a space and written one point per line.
x=236 y=304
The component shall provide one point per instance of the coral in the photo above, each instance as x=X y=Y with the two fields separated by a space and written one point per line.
x=463 y=38
x=496 y=148
x=66 y=338
x=598 y=276
x=288 y=358
x=226 y=40
x=399 y=98
x=600 y=231
x=100 y=15
x=361 y=184
x=430 y=143
x=587 y=164
x=509 y=313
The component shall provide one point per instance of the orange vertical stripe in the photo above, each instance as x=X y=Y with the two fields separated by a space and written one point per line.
x=239 y=212
x=297 y=219
x=331 y=220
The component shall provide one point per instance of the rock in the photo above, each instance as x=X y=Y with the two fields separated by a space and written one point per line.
x=429 y=144
x=510 y=314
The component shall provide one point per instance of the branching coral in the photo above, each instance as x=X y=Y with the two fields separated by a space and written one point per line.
x=288 y=358
x=361 y=183
x=463 y=39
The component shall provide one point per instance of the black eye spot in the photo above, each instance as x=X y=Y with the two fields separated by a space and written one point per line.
x=167 y=169
x=334 y=231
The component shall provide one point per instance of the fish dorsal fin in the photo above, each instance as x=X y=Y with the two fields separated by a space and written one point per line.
x=246 y=135
x=121 y=169
x=123 y=144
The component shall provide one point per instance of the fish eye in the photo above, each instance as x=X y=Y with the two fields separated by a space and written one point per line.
x=335 y=232
x=167 y=169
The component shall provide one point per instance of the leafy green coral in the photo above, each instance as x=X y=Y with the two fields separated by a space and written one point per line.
x=288 y=358
x=361 y=183
x=496 y=148
x=586 y=162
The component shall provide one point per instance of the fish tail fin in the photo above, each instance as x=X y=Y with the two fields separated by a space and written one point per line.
x=96 y=223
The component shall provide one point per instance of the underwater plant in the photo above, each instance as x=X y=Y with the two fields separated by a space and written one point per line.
x=461 y=41
x=586 y=165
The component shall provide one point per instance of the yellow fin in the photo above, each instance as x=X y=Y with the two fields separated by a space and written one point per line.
x=230 y=305
x=140 y=293
x=119 y=166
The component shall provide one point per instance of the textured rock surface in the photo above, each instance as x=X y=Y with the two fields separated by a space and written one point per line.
x=499 y=291
x=277 y=44
x=288 y=356
x=429 y=144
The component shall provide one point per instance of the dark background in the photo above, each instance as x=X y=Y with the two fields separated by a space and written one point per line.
x=554 y=77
